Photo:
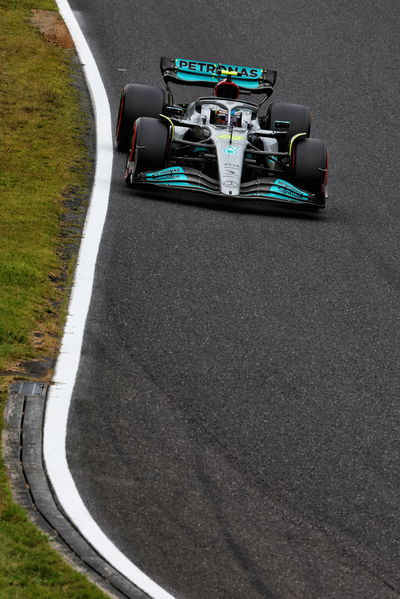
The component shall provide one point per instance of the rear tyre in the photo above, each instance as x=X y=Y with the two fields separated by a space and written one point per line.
x=150 y=147
x=298 y=116
x=310 y=165
x=136 y=100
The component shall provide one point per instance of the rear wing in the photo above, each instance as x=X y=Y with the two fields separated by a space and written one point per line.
x=208 y=74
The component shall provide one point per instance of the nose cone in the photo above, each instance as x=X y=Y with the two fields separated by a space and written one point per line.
x=230 y=154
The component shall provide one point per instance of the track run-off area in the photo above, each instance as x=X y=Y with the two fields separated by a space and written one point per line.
x=234 y=426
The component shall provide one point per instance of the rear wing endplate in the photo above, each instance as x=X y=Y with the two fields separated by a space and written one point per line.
x=208 y=74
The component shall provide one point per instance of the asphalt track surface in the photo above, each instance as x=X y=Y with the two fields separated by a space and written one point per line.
x=235 y=424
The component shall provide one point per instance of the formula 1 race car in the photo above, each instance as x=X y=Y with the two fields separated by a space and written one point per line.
x=220 y=144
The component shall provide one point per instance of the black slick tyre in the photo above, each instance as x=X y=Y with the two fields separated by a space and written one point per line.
x=136 y=100
x=309 y=165
x=150 y=147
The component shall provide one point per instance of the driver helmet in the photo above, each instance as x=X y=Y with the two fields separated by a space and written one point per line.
x=227 y=89
x=219 y=116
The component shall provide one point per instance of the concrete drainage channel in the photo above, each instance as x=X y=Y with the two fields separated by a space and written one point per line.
x=23 y=442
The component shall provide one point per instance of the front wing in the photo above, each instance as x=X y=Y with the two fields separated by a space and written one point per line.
x=267 y=188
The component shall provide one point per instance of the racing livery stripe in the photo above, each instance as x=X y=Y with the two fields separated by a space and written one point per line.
x=176 y=173
x=286 y=189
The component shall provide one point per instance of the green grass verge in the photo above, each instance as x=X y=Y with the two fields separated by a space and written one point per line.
x=39 y=132
x=41 y=155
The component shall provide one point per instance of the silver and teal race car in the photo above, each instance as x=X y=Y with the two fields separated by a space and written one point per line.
x=220 y=144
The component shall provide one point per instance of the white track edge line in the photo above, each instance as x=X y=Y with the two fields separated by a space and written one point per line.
x=59 y=397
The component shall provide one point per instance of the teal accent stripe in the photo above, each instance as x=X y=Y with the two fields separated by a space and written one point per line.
x=283 y=188
x=181 y=184
x=175 y=173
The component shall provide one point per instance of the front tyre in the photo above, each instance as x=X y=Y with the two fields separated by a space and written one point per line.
x=150 y=148
x=309 y=166
x=136 y=100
